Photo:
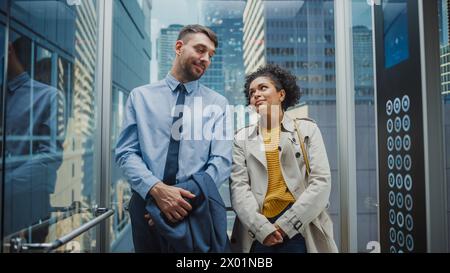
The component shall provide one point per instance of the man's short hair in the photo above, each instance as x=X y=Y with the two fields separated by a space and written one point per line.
x=22 y=49
x=190 y=29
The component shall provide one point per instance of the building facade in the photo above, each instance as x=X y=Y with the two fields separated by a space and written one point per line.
x=166 y=43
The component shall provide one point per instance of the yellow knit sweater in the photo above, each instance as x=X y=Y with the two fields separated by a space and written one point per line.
x=278 y=196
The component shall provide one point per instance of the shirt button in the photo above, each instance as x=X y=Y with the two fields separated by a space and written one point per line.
x=279 y=148
x=297 y=154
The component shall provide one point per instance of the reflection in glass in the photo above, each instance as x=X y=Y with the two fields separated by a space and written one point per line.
x=367 y=199
x=42 y=65
x=120 y=189
x=33 y=147
x=2 y=54
x=2 y=65
x=64 y=83
x=50 y=128
x=130 y=68
x=443 y=8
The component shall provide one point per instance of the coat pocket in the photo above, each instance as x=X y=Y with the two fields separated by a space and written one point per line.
x=324 y=224
x=327 y=224
x=321 y=234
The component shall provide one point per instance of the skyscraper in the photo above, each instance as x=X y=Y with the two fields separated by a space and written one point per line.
x=254 y=35
x=131 y=68
x=363 y=63
x=165 y=52
x=81 y=107
x=131 y=45
x=214 y=76
x=297 y=35
x=226 y=74
x=443 y=8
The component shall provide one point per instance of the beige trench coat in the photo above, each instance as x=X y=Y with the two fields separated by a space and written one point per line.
x=248 y=186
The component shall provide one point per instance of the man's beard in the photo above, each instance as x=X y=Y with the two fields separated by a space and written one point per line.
x=189 y=74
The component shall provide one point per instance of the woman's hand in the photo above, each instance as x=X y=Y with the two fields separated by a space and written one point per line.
x=273 y=239
x=283 y=234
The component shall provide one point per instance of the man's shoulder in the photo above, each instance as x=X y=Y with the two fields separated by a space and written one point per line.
x=213 y=95
x=42 y=90
x=149 y=87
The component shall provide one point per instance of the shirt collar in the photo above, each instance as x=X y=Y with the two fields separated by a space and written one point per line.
x=173 y=83
x=18 y=81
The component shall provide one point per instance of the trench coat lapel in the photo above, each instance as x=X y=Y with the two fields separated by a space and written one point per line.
x=256 y=146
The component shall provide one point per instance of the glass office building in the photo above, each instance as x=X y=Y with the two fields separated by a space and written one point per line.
x=68 y=66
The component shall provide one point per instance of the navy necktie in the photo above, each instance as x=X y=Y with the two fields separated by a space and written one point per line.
x=171 y=168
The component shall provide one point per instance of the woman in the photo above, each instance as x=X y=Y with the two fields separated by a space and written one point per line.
x=280 y=181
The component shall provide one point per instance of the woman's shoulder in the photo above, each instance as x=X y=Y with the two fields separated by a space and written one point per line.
x=245 y=132
x=307 y=126
x=305 y=119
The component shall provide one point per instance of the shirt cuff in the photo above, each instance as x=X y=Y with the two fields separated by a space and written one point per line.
x=145 y=186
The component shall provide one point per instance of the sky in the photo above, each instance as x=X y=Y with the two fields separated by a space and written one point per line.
x=362 y=13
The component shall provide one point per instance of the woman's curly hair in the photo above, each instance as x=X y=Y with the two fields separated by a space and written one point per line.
x=282 y=79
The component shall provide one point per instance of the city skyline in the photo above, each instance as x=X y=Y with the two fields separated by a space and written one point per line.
x=197 y=11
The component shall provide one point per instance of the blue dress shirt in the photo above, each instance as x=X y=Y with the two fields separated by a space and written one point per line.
x=32 y=124
x=142 y=146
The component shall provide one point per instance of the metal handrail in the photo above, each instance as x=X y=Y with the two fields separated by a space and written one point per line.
x=66 y=212
x=18 y=245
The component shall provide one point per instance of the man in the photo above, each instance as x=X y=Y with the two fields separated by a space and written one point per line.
x=149 y=149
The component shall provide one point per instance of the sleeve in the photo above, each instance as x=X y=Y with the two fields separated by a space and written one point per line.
x=317 y=191
x=219 y=162
x=128 y=153
x=242 y=199
x=49 y=132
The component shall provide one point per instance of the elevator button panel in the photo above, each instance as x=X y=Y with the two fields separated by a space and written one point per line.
x=400 y=183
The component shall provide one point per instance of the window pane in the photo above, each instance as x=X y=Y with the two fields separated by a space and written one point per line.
x=2 y=65
x=50 y=125
x=443 y=7
x=130 y=69
x=366 y=183
x=297 y=35
x=2 y=54
x=3 y=6
x=43 y=65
